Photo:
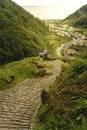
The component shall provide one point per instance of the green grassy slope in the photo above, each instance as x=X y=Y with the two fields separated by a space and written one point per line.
x=21 y=34
x=78 y=19
x=14 y=72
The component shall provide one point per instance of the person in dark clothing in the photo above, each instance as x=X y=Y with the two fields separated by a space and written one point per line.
x=45 y=53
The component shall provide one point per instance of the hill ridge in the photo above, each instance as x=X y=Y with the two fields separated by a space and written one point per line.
x=78 y=18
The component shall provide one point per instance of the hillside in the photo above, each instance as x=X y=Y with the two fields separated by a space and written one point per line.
x=21 y=34
x=64 y=107
x=78 y=19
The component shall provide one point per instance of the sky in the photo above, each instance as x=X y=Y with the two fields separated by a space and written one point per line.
x=51 y=9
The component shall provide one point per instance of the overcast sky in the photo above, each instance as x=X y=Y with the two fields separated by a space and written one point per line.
x=53 y=9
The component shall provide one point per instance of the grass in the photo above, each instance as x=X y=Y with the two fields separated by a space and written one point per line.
x=20 y=70
x=49 y=66
x=55 y=41
x=17 y=71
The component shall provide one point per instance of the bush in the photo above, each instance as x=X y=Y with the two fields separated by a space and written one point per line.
x=77 y=67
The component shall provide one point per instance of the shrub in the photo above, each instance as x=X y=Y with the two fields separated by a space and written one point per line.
x=77 y=67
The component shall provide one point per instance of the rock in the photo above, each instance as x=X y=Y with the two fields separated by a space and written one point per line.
x=41 y=72
x=83 y=37
x=39 y=66
x=71 y=52
x=44 y=96
x=10 y=79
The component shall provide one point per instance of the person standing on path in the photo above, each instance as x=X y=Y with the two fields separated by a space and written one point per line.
x=45 y=53
x=41 y=56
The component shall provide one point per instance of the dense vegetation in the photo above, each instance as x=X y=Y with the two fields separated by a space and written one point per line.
x=78 y=19
x=64 y=107
x=21 y=34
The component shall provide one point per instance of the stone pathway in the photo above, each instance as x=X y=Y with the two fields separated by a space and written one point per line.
x=19 y=105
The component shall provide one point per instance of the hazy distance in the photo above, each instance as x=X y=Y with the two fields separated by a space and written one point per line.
x=51 y=12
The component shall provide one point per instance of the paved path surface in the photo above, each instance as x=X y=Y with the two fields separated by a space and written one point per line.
x=59 y=49
x=19 y=105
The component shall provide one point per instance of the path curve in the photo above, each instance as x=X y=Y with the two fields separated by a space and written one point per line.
x=19 y=105
x=59 y=49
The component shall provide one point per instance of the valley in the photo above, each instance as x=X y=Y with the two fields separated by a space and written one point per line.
x=47 y=94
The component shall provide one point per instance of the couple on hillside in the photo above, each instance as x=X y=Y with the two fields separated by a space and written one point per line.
x=43 y=55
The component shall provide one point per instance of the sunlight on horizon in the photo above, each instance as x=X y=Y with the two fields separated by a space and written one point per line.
x=50 y=12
